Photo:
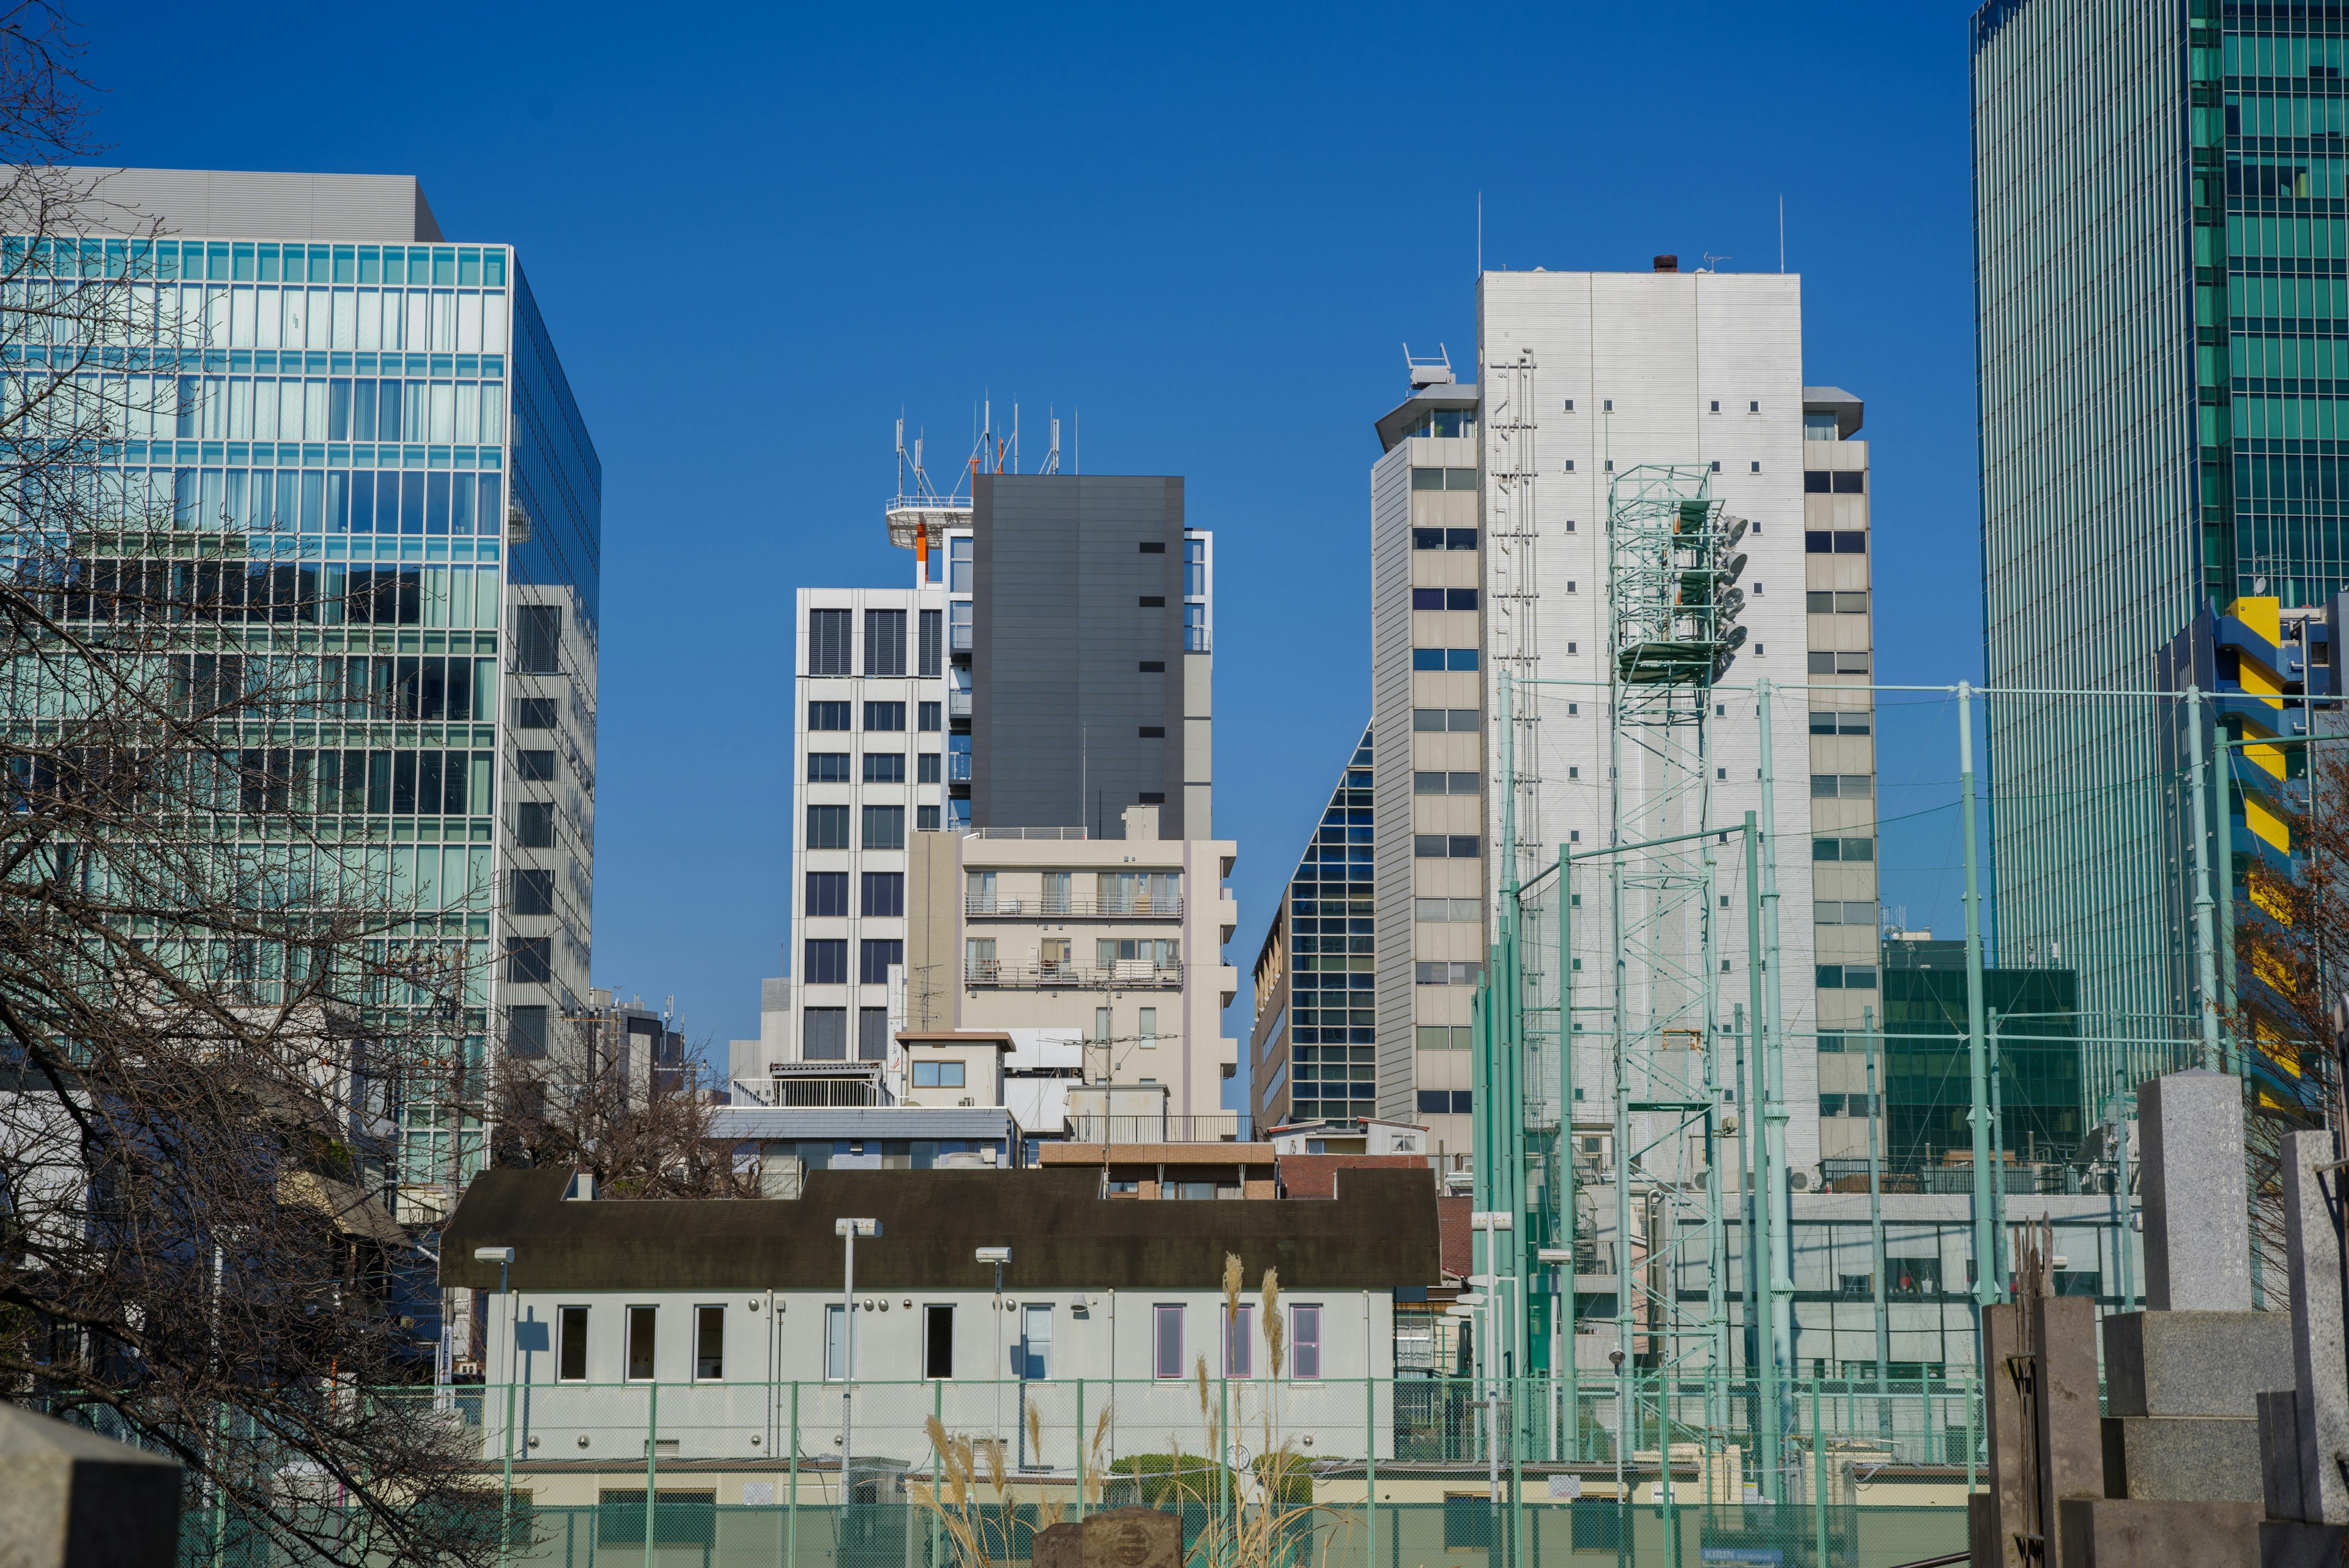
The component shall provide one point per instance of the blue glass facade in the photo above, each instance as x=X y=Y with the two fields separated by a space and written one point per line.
x=365 y=458
x=1332 y=1013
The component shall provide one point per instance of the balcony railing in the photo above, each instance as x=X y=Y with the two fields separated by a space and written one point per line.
x=958 y=767
x=1044 y=835
x=1217 y=1127
x=1069 y=905
x=958 y=637
x=958 y=704
x=1048 y=976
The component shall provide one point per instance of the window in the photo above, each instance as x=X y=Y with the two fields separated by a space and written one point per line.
x=932 y=643
x=884 y=716
x=1152 y=731
x=640 y=1344
x=1304 y=1341
x=1843 y=849
x=1442 y=598
x=925 y=819
x=1457 y=720
x=538 y=638
x=1151 y=667
x=1447 y=972
x=708 y=1343
x=1446 y=845
x=1444 y=1037
x=534 y=712
x=1842 y=787
x=835 y=1341
x=1151 y=601
x=979 y=956
x=533 y=892
x=534 y=825
x=535 y=767
x=1147 y=1029
x=884 y=643
x=1152 y=546
x=571 y=1344
x=937 y=1075
x=884 y=894
x=827 y=827
x=873 y=1035
x=927 y=768
x=1816 y=481
x=1843 y=663
x=1167 y=1322
x=528 y=962
x=1444 y=1102
x=937 y=1342
x=828 y=642
x=1444 y=784
x=958 y=565
x=929 y=718
x=874 y=957
x=827 y=894
x=1239 y=1342
x=526 y=1032
x=1835 y=724
x=1443 y=658
x=823 y=1034
x=1846 y=977
x=1033 y=1356
x=884 y=827
x=824 y=961
x=885 y=767
x=827 y=716
x=827 y=767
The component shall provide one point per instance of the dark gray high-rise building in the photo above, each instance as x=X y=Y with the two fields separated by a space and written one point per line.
x=1090 y=655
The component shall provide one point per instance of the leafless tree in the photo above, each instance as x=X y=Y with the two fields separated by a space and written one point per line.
x=640 y=1130
x=214 y=1001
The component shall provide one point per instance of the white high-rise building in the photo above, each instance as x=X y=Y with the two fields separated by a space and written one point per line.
x=1489 y=542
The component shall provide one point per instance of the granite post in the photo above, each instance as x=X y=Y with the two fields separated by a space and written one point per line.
x=2004 y=1508
x=71 y=1498
x=2198 y=1255
x=2070 y=1437
x=2321 y=1358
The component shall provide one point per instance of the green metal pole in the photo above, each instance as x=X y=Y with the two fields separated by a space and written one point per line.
x=1977 y=1036
x=1973 y=1398
x=1371 y=1472
x=1819 y=1471
x=1567 y=1299
x=937 y=1412
x=1997 y=1157
x=2206 y=939
x=1773 y=1030
x=2226 y=956
x=1766 y=1340
x=791 y=1512
x=652 y=1465
x=505 y=1511
x=1877 y=1262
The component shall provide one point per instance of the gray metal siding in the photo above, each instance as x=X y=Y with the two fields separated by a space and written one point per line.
x=249 y=204
x=1398 y=1061
x=1058 y=701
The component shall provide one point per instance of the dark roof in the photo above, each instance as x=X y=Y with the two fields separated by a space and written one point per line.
x=1379 y=1232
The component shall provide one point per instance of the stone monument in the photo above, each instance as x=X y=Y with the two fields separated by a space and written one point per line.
x=71 y=1498
x=2304 y=1429
x=1114 y=1537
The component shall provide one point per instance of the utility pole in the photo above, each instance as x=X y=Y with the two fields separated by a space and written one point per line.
x=1978 y=1116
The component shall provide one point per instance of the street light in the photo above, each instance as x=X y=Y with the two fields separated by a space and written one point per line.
x=503 y=1258
x=848 y=1231
x=999 y=1256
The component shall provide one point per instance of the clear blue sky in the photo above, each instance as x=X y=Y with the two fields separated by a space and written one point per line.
x=756 y=232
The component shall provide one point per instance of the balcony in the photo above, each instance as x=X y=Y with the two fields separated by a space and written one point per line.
x=1033 y=834
x=958 y=637
x=1214 y=1127
x=958 y=767
x=1049 y=907
x=1136 y=976
x=958 y=704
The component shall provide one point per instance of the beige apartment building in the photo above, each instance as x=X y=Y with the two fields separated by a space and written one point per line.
x=1113 y=943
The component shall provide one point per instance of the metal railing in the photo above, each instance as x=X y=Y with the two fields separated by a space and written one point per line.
x=1205 y=1127
x=1073 y=976
x=1049 y=905
x=959 y=637
x=958 y=704
x=1043 y=834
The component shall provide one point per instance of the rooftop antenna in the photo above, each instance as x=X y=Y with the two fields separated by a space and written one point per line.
x=1052 y=456
x=1077 y=420
x=1709 y=259
x=1782 y=230
x=1480 y=233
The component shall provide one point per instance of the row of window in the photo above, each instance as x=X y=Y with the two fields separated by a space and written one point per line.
x=377 y=783
x=1443 y=598
x=1843 y=786
x=880 y=767
x=1830 y=912
x=825 y=960
x=883 y=895
x=888 y=718
x=1445 y=784
x=884 y=827
x=1446 y=1102
x=1838 y=481
x=1826 y=722
x=830 y=651
x=1840 y=602
x=1447 y=846
x=1843 y=849
x=246 y=262
x=1443 y=479
x=1444 y=538
x=1441 y=721
x=1443 y=658
x=1835 y=542
x=1845 y=662
x=823 y=1034
x=290 y=408
x=1846 y=977
x=1448 y=973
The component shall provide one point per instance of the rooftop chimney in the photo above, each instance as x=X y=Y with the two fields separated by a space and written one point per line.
x=1668 y=263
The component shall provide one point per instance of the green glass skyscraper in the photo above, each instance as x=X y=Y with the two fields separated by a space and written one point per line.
x=2161 y=251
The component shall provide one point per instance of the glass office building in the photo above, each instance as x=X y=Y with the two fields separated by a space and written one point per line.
x=2161 y=251
x=375 y=447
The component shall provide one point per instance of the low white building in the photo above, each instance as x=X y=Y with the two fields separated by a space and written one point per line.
x=716 y=1334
